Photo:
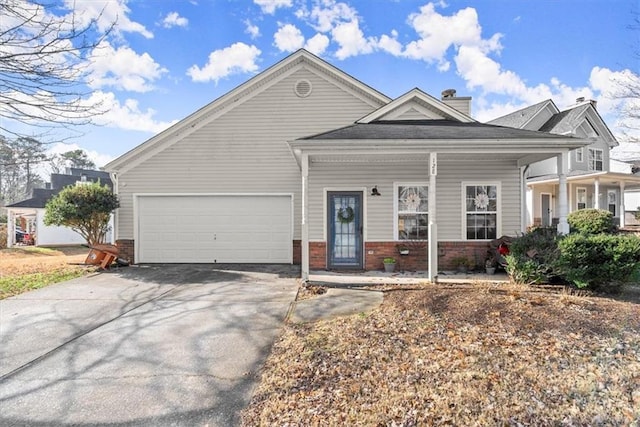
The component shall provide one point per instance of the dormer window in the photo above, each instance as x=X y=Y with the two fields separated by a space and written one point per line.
x=595 y=159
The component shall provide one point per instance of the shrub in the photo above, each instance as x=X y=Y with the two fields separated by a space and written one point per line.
x=591 y=221
x=3 y=236
x=532 y=256
x=599 y=262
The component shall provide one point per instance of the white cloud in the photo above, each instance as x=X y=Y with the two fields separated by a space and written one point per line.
x=251 y=29
x=122 y=68
x=126 y=115
x=288 y=38
x=327 y=14
x=390 y=44
x=439 y=33
x=351 y=40
x=317 y=44
x=237 y=58
x=106 y=13
x=173 y=19
x=270 y=6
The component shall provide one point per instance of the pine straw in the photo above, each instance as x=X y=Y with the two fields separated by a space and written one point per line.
x=463 y=355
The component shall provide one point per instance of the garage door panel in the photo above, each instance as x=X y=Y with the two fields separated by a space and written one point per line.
x=223 y=229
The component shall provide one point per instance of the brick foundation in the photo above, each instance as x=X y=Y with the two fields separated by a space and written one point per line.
x=126 y=250
x=297 y=252
x=416 y=260
x=317 y=255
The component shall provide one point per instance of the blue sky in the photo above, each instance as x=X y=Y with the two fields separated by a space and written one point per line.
x=166 y=59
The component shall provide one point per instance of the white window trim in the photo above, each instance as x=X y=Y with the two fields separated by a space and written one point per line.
x=595 y=150
x=396 y=185
x=580 y=155
x=615 y=202
x=463 y=198
x=586 y=197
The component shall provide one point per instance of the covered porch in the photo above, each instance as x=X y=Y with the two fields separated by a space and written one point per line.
x=373 y=165
x=597 y=190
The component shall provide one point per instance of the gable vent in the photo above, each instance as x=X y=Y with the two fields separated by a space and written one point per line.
x=303 y=88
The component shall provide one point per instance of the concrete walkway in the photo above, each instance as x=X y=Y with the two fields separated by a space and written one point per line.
x=175 y=345
x=347 y=293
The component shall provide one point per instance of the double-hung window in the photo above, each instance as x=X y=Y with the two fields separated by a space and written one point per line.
x=481 y=211
x=412 y=211
x=580 y=155
x=581 y=198
x=595 y=159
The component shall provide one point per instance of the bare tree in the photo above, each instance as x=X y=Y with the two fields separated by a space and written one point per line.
x=628 y=92
x=43 y=67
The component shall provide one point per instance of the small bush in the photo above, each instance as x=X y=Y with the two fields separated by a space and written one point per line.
x=599 y=262
x=591 y=221
x=532 y=256
x=3 y=236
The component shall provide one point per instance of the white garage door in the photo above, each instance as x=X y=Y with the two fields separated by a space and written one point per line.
x=214 y=229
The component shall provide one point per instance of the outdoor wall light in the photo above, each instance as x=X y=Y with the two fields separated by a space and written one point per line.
x=375 y=192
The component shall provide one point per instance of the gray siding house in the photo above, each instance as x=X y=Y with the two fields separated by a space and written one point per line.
x=591 y=179
x=305 y=164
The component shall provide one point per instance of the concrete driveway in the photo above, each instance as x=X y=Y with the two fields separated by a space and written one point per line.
x=176 y=345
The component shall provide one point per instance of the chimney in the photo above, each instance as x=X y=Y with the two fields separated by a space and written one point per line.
x=460 y=103
x=582 y=99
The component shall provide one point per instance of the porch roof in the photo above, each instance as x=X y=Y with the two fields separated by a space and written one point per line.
x=412 y=140
x=433 y=130
x=587 y=178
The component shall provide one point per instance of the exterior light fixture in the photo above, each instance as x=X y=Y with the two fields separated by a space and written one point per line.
x=375 y=192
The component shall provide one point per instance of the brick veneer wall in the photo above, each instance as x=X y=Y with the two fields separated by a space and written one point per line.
x=417 y=260
x=317 y=255
x=126 y=250
x=297 y=252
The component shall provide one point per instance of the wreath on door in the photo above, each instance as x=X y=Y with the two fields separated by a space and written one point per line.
x=346 y=215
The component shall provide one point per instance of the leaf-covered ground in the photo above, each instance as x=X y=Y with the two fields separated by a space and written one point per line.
x=459 y=355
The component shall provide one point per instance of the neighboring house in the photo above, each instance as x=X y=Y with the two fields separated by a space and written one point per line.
x=28 y=215
x=305 y=164
x=593 y=179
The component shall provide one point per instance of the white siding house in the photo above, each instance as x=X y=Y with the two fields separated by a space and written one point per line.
x=318 y=169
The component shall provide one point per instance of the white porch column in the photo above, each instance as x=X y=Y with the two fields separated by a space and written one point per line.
x=596 y=190
x=563 y=204
x=305 y=218
x=524 y=206
x=11 y=229
x=622 y=206
x=433 y=226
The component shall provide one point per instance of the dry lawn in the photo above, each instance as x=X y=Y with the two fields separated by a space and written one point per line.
x=27 y=267
x=459 y=355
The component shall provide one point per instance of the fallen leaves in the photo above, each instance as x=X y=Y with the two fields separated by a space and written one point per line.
x=459 y=356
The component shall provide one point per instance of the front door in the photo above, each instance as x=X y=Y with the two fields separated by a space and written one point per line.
x=545 y=207
x=344 y=215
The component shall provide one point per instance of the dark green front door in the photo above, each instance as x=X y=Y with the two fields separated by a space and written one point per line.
x=344 y=246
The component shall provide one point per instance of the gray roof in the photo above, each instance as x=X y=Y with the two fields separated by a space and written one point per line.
x=566 y=121
x=521 y=117
x=40 y=196
x=428 y=130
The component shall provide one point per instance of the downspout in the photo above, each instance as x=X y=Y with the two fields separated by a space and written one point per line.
x=114 y=215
